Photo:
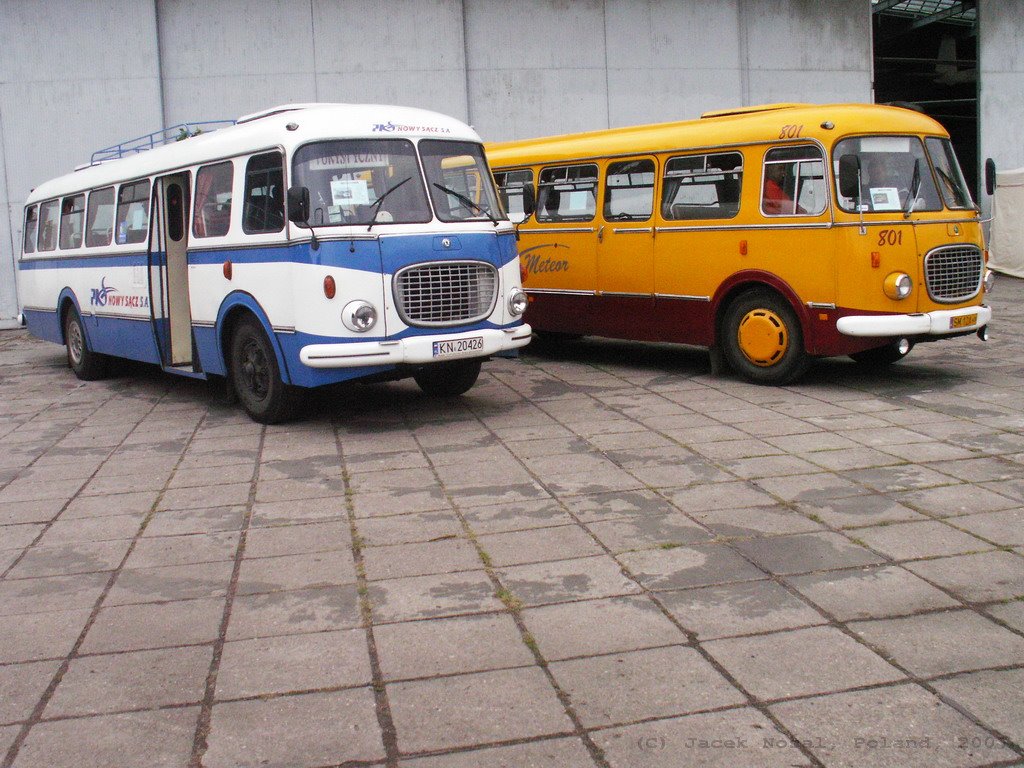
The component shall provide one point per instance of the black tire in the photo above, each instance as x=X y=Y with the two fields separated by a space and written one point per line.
x=448 y=379
x=255 y=375
x=882 y=356
x=762 y=339
x=87 y=365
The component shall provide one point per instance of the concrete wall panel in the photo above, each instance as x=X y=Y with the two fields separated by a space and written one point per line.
x=409 y=53
x=234 y=56
x=64 y=95
x=640 y=96
x=1001 y=91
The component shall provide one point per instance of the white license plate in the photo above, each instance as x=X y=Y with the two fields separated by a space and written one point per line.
x=458 y=347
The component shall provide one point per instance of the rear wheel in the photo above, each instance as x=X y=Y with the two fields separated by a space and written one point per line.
x=762 y=339
x=87 y=365
x=256 y=377
x=891 y=353
x=448 y=379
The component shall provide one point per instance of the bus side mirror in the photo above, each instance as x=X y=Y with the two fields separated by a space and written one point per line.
x=529 y=202
x=849 y=176
x=298 y=205
x=990 y=176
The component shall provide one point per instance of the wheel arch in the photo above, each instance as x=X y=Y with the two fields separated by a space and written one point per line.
x=233 y=308
x=752 y=280
x=66 y=301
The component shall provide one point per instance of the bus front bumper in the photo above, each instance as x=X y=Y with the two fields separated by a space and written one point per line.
x=416 y=349
x=939 y=323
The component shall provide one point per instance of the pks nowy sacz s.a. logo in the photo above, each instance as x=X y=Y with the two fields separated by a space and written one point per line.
x=109 y=296
x=98 y=297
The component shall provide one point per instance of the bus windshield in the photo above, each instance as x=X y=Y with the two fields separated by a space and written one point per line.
x=460 y=184
x=951 y=179
x=362 y=181
x=887 y=166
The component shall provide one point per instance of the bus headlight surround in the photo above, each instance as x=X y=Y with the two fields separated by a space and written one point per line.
x=359 y=316
x=517 y=302
x=898 y=285
x=989 y=281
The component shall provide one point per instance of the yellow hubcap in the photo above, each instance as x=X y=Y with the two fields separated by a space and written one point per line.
x=762 y=337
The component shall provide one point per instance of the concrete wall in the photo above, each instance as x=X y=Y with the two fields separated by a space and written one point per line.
x=68 y=86
x=513 y=70
x=1001 y=91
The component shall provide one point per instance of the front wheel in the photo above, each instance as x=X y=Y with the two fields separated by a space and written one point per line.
x=891 y=353
x=762 y=339
x=448 y=379
x=256 y=377
x=87 y=365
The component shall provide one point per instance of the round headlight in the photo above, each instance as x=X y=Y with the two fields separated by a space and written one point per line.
x=990 y=280
x=359 y=316
x=517 y=303
x=898 y=285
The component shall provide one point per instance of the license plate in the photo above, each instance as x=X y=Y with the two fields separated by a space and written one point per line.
x=458 y=347
x=963 y=321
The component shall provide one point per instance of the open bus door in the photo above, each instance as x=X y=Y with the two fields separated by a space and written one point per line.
x=168 y=271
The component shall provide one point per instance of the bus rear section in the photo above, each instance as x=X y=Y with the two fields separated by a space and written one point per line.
x=305 y=246
x=743 y=232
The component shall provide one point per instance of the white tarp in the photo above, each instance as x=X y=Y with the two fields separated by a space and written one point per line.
x=1006 y=246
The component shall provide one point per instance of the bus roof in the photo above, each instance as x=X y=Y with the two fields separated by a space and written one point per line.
x=265 y=130
x=722 y=128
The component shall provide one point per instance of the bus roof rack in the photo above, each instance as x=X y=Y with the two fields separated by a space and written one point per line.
x=751 y=109
x=156 y=139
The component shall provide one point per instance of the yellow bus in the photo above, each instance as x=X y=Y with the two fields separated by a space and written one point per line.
x=771 y=234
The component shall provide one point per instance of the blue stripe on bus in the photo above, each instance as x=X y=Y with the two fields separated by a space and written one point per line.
x=361 y=255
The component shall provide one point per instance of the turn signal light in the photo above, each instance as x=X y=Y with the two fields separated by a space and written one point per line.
x=227 y=270
x=523 y=271
x=330 y=288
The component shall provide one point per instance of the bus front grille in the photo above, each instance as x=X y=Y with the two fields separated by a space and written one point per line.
x=446 y=293
x=953 y=273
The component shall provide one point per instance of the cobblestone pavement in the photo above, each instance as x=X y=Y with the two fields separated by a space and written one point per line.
x=603 y=555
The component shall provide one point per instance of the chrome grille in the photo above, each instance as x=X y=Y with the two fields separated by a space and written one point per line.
x=446 y=292
x=953 y=273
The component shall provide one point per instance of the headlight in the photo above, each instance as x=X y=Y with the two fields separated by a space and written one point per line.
x=359 y=316
x=990 y=280
x=517 y=303
x=898 y=285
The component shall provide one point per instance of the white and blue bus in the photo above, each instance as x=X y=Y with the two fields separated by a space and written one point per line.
x=304 y=245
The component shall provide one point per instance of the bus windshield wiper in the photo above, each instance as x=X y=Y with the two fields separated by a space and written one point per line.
x=915 y=189
x=377 y=203
x=467 y=201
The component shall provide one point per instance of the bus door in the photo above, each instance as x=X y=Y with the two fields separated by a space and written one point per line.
x=625 y=251
x=559 y=252
x=171 y=310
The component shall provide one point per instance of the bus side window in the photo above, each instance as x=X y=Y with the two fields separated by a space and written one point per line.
x=263 y=207
x=794 y=182
x=49 y=217
x=515 y=188
x=567 y=193
x=133 y=212
x=702 y=187
x=99 y=227
x=212 y=215
x=629 y=190
x=72 y=214
x=28 y=244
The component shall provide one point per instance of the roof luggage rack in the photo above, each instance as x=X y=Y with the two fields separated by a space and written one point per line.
x=156 y=139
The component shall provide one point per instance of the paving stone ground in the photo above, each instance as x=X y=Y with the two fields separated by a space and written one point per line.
x=603 y=555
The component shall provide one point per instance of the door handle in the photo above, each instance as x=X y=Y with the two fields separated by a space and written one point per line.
x=600 y=234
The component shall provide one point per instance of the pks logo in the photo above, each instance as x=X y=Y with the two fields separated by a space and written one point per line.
x=99 y=296
x=387 y=127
